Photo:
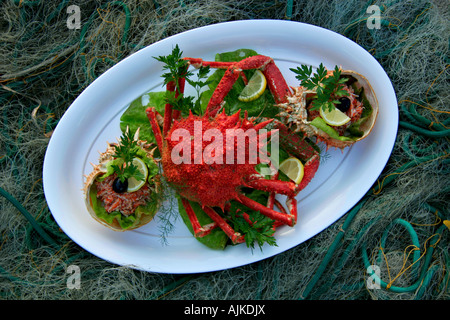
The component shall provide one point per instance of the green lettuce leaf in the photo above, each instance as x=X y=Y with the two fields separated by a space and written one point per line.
x=216 y=239
x=135 y=117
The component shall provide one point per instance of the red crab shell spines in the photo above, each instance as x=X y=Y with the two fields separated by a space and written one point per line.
x=210 y=184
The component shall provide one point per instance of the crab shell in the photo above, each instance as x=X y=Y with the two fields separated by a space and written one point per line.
x=295 y=112
x=100 y=168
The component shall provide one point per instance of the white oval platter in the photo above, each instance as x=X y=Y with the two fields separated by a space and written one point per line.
x=93 y=118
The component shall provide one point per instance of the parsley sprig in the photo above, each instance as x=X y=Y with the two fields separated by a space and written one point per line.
x=126 y=151
x=260 y=230
x=177 y=68
x=329 y=88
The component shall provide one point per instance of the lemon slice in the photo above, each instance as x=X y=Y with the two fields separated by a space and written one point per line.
x=254 y=88
x=133 y=184
x=293 y=168
x=335 y=117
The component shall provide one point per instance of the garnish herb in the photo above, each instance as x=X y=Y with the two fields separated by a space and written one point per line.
x=329 y=88
x=126 y=151
x=259 y=231
x=177 y=69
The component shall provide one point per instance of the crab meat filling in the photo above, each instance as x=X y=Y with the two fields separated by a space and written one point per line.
x=126 y=203
x=354 y=111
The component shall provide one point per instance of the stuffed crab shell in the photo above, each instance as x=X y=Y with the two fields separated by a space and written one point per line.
x=357 y=107
x=123 y=190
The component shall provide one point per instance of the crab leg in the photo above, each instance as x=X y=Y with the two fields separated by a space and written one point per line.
x=226 y=83
x=271 y=201
x=170 y=114
x=289 y=219
x=291 y=203
x=274 y=186
x=235 y=237
x=287 y=188
x=282 y=187
x=281 y=208
x=168 y=109
x=310 y=168
x=199 y=231
x=276 y=82
x=151 y=115
x=198 y=62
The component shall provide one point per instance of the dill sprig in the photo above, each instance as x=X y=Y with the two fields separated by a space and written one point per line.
x=329 y=87
x=126 y=151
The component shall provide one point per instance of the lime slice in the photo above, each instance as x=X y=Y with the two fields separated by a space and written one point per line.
x=293 y=168
x=133 y=184
x=335 y=117
x=254 y=88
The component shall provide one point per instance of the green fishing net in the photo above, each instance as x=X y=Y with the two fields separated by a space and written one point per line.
x=392 y=245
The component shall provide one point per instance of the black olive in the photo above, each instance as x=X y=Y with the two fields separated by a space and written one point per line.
x=119 y=186
x=344 y=104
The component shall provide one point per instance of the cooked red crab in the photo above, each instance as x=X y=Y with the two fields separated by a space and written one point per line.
x=213 y=184
x=293 y=101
